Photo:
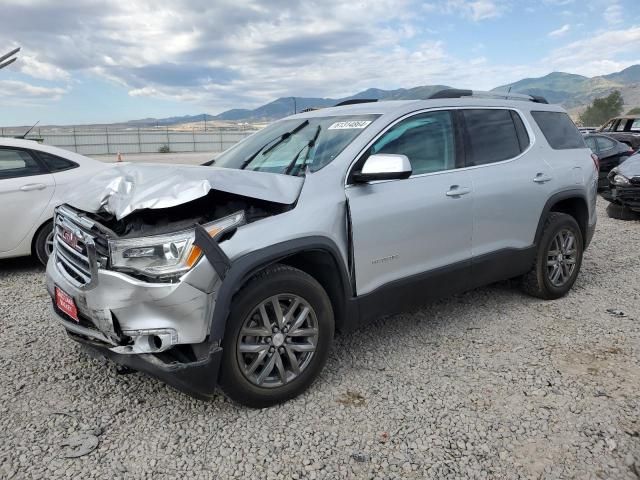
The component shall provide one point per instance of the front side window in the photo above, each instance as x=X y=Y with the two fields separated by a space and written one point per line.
x=289 y=146
x=492 y=136
x=559 y=130
x=607 y=127
x=56 y=164
x=427 y=139
x=17 y=163
x=635 y=126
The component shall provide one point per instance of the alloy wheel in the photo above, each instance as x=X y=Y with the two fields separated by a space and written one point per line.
x=561 y=258
x=277 y=340
x=48 y=244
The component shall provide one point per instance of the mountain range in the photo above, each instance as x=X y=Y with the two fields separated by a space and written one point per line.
x=572 y=91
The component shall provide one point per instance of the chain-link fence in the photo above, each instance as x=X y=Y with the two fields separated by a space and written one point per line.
x=135 y=140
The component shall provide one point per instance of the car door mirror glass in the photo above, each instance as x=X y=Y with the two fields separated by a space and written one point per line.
x=384 y=166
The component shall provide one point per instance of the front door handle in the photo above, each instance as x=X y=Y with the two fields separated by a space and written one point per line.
x=457 y=191
x=541 y=178
x=33 y=186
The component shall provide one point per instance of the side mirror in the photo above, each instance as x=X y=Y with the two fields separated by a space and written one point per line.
x=383 y=166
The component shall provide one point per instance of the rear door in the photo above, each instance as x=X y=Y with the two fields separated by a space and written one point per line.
x=403 y=229
x=25 y=190
x=511 y=184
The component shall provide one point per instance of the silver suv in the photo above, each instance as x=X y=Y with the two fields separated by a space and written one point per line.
x=237 y=274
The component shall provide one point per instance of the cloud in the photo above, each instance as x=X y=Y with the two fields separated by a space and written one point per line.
x=476 y=10
x=37 y=69
x=585 y=56
x=241 y=53
x=18 y=93
x=613 y=14
x=560 y=31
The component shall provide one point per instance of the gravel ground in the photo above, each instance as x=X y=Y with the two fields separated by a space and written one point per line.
x=489 y=384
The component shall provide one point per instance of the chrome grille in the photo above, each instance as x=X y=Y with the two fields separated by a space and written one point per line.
x=80 y=248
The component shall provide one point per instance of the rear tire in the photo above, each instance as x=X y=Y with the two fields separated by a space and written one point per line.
x=558 y=258
x=258 y=369
x=43 y=243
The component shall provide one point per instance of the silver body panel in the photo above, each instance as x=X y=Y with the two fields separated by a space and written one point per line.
x=400 y=227
x=127 y=187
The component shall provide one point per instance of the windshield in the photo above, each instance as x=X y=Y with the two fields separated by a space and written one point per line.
x=290 y=146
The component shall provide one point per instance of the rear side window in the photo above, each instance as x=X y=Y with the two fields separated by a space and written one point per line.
x=18 y=163
x=493 y=136
x=604 y=143
x=56 y=164
x=559 y=130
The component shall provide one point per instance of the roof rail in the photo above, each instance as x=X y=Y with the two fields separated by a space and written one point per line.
x=355 y=101
x=457 y=93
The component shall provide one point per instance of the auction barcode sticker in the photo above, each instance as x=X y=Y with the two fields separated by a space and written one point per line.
x=351 y=124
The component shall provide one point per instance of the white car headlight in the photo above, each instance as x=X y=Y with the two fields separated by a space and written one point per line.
x=166 y=255
x=620 y=180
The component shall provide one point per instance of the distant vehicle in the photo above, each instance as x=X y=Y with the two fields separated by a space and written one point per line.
x=586 y=130
x=624 y=129
x=624 y=189
x=610 y=154
x=33 y=178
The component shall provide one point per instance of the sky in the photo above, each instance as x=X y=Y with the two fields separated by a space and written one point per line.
x=100 y=61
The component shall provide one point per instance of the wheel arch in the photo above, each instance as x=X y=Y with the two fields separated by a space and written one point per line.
x=316 y=256
x=571 y=202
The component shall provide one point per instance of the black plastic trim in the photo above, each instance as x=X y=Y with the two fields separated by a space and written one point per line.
x=246 y=266
x=556 y=198
x=216 y=256
x=198 y=379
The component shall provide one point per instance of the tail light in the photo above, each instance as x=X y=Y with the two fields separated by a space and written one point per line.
x=596 y=161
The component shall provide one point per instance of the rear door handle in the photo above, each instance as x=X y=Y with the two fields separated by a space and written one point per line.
x=33 y=186
x=457 y=191
x=541 y=178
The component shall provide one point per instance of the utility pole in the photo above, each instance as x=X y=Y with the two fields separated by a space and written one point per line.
x=205 y=121
x=295 y=108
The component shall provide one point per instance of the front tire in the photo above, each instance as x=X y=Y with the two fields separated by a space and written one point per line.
x=43 y=243
x=558 y=258
x=278 y=337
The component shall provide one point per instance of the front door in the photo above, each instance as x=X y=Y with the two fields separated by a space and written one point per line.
x=409 y=233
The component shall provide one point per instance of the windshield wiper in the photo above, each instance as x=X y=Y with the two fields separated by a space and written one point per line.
x=308 y=146
x=277 y=140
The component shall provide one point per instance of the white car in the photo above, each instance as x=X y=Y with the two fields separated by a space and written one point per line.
x=33 y=180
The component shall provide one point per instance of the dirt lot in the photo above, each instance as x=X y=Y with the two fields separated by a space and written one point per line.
x=489 y=384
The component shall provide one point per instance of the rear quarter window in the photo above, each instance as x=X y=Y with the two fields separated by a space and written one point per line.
x=559 y=130
x=55 y=163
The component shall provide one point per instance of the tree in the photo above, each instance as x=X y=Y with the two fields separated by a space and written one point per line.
x=602 y=109
x=634 y=111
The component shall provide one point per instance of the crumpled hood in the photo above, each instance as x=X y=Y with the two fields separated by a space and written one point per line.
x=630 y=167
x=128 y=187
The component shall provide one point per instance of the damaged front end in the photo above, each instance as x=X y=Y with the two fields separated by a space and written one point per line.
x=134 y=278
x=624 y=184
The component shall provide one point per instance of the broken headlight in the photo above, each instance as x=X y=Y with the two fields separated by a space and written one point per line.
x=166 y=255
x=620 y=180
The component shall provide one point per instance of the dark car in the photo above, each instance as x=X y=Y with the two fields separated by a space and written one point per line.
x=624 y=129
x=610 y=154
x=624 y=186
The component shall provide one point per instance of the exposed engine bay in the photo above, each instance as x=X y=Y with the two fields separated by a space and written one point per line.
x=211 y=207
